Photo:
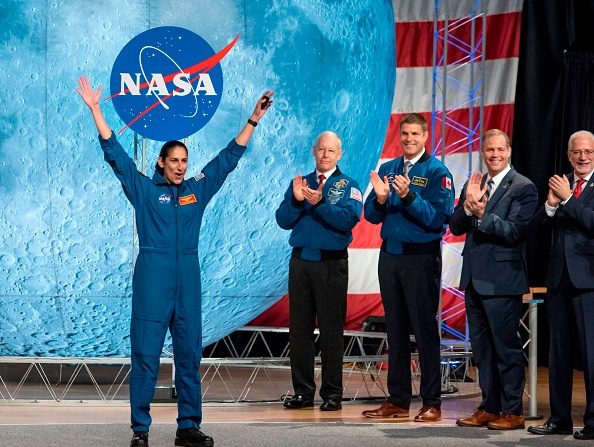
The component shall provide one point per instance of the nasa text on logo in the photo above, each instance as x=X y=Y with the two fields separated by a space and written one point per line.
x=166 y=83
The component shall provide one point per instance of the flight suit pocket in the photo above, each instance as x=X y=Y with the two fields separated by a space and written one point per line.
x=147 y=335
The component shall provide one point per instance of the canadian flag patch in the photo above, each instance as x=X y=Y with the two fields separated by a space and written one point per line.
x=446 y=182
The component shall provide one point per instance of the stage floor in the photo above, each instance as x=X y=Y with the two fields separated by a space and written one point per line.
x=40 y=412
x=267 y=424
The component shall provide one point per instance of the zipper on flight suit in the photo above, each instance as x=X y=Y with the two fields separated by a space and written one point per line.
x=176 y=205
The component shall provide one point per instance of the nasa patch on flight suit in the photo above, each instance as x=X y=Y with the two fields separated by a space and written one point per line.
x=187 y=200
x=419 y=181
x=164 y=198
x=334 y=195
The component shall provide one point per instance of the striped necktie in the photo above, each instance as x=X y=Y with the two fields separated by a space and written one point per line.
x=406 y=168
x=490 y=185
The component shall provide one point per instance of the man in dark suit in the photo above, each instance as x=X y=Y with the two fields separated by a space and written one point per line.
x=570 y=284
x=494 y=212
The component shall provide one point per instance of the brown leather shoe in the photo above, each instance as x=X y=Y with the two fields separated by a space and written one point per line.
x=387 y=410
x=507 y=422
x=428 y=414
x=479 y=418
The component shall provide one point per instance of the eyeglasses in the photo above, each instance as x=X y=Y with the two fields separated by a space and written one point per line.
x=579 y=153
x=330 y=150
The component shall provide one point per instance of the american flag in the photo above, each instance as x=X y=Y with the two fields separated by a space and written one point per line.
x=413 y=93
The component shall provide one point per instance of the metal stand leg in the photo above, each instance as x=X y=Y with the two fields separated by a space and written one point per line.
x=532 y=360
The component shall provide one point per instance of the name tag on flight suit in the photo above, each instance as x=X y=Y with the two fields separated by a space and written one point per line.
x=187 y=200
x=419 y=181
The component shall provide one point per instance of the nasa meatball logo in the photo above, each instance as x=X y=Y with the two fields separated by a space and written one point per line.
x=165 y=198
x=166 y=83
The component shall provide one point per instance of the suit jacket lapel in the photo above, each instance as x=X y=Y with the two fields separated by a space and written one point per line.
x=501 y=189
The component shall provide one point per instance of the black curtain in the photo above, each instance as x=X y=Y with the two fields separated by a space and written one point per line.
x=554 y=98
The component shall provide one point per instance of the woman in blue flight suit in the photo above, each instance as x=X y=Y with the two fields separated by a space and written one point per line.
x=166 y=283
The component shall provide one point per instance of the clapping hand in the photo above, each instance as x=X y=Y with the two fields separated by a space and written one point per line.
x=560 y=187
x=380 y=187
x=476 y=200
x=401 y=185
x=313 y=196
x=299 y=184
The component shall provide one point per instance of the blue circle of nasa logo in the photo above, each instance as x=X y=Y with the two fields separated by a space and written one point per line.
x=166 y=83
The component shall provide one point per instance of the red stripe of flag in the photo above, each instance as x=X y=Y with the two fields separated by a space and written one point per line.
x=414 y=40
x=366 y=235
x=359 y=307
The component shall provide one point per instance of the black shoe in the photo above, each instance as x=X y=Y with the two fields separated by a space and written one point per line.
x=549 y=428
x=584 y=434
x=298 y=402
x=192 y=437
x=331 y=405
x=140 y=439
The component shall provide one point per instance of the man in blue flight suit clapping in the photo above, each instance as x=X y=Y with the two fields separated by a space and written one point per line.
x=321 y=209
x=412 y=198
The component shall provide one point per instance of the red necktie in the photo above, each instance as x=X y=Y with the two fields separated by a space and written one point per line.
x=321 y=179
x=578 y=187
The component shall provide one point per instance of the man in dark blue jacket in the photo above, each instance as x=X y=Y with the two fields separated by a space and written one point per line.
x=321 y=209
x=494 y=211
x=412 y=198
x=570 y=285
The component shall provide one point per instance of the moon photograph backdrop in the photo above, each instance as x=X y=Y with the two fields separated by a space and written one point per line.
x=67 y=231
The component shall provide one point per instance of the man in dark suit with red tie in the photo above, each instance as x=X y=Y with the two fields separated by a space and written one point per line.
x=570 y=284
x=494 y=212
